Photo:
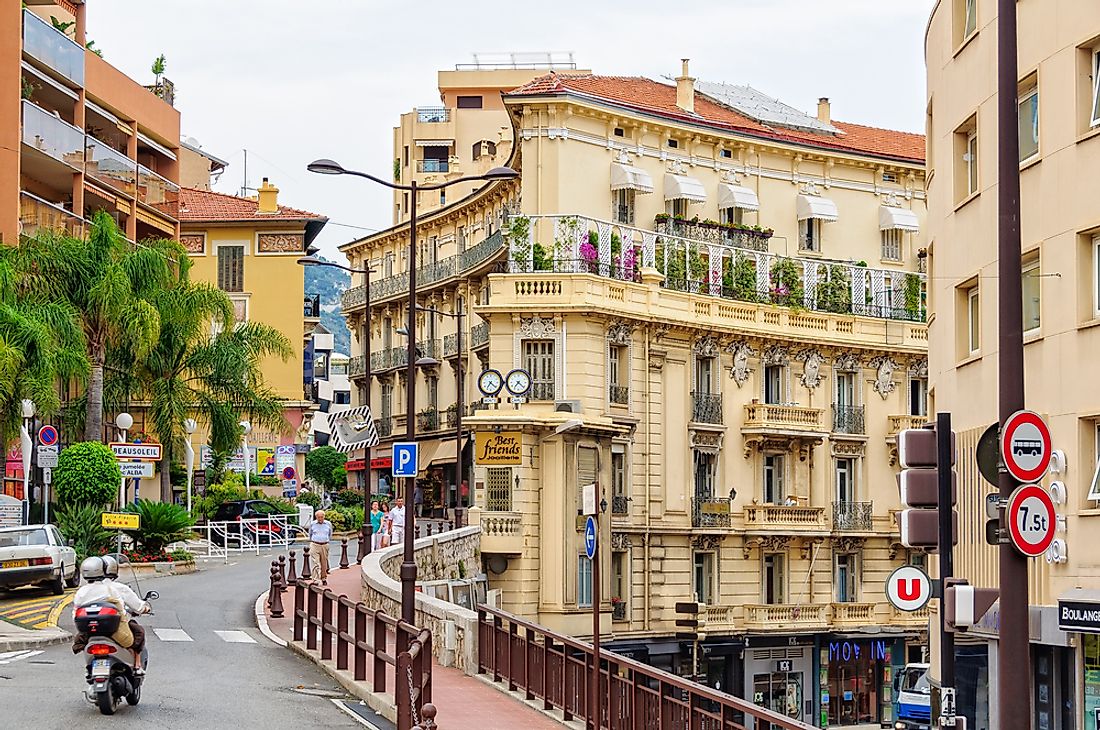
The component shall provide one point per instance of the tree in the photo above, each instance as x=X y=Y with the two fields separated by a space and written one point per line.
x=321 y=463
x=87 y=474
x=159 y=64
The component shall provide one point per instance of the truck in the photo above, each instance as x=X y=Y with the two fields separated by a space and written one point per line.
x=912 y=698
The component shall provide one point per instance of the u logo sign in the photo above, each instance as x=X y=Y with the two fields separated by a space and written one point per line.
x=909 y=590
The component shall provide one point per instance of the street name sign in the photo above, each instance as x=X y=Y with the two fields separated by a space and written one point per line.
x=145 y=452
x=909 y=588
x=1031 y=520
x=121 y=521
x=136 y=469
x=1025 y=446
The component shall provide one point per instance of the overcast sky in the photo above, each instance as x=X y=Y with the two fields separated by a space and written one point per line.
x=291 y=81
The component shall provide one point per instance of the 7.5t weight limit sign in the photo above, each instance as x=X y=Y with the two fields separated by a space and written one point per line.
x=1031 y=520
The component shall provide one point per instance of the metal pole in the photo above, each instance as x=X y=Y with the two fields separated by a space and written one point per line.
x=947 y=557
x=408 y=564
x=460 y=403
x=367 y=391
x=122 y=494
x=190 y=470
x=594 y=696
x=1013 y=690
x=247 y=466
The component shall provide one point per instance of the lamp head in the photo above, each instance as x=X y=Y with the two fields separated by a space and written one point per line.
x=326 y=167
x=246 y=427
x=309 y=261
x=28 y=408
x=402 y=330
x=189 y=425
x=124 y=421
x=501 y=173
x=427 y=362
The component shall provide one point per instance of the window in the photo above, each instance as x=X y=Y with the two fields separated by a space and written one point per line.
x=469 y=102
x=845 y=578
x=1096 y=276
x=584 y=582
x=966 y=20
x=442 y=197
x=618 y=379
x=727 y=154
x=1030 y=287
x=891 y=244
x=433 y=392
x=676 y=208
x=619 y=587
x=889 y=176
x=387 y=265
x=673 y=143
x=704 y=375
x=231 y=268
x=703 y=578
x=538 y=359
x=1094 y=117
x=970 y=23
x=498 y=489
x=387 y=399
x=774 y=380
x=588 y=472
x=971 y=159
x=973 y=320
x=618 y=473
x=406 y=155
x=623 y=200
x=620 y=132
x=845 y=389
x=774 y=477
x=704 y=475
x=732 y=216
x=917 y=558
x=387 y=333
x=845 y=480
x=774 y=578
x=809 y=235
x=918 y=397
x=460 y=236
x=1028 y=107
x=341 y=397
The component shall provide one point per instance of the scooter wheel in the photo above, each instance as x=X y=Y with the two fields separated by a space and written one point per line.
x=134 y=697
x=106 y=700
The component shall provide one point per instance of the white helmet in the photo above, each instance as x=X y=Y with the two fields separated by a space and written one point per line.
x=110 y=566
x=93 y=569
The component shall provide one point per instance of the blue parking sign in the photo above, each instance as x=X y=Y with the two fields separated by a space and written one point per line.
x=405 y=458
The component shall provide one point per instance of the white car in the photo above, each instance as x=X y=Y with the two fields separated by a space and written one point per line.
x=36 y=555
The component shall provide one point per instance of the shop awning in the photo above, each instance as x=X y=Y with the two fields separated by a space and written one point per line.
x=814 y=206
x=736 y=196
x=435 y=142
x=445 y=453
x=891 y=218
x=682 y=187
x=626 y=177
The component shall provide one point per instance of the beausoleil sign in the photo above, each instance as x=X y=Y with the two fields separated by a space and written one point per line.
x=498 y=449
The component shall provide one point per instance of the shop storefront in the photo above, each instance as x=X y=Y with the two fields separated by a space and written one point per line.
x=1079 y=613
x=380 y=477
x=855 y=679
x=779 y=677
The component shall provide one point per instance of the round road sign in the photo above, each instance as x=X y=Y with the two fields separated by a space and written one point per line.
x=1031 y=520
x=288 y=472
x=47 y=435
x=1025 y=446
x=909 y=588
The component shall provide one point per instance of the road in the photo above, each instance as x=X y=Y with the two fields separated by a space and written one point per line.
x=197 y=678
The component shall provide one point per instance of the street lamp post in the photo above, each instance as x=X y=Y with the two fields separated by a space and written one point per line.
x=330 y=167
x=189 y=457
x=246 y=428
x=26 y=444
x=460 y=398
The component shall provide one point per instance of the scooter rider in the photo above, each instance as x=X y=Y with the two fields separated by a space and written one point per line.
x=99 y=589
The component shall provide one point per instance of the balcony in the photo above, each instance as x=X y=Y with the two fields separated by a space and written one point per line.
x=502 y=533
x=311 y=306
x=712 y=232
x=706 y=407
x=36 y=214
x=387 y=359
x=542 y=390
x=52 y=48
x=853 y=615
x=110 y=167
x=384 y=426
x=618 y=609
x=790 y=420
x=430 y=165
x=848 y=420
x=479 y=335
x=784 y=518
x=433 y=114
x=427 y=420
x=853 y=516
x=158 y=192
x=430 y=348
x=710 y=512
x=900 y=423
x=620 y=504
x=52 y=136
x=785 y=617
x=165 y=90
x=912 y=619
x=355 y=366
x=618 y=394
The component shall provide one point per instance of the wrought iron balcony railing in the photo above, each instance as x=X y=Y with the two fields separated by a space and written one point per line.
x=710 y=512
x=479 y=335
x=848 y=419
x=620 y=504
x=853 y=516
x=706 y=407
x=619 y=394
x=542 y=390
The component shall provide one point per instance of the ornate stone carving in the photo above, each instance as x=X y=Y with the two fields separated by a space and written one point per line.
x=193 y=242
x=919 y=368
x=895 y=548
x=848 y=543
x=707 y=441
x=706 y=347
x=776 y=355
x=281 y=242
x=811 y=372
x=884 y=376
x=660 y=331
x=760 y=443
x=846 y=361
x=657 y=360
x=848 y=448
x=706 y=542
x=767 y=544
x=620 y=541
x=620 y=333
x=536 y=327
x=808 y=545
x=741 y=351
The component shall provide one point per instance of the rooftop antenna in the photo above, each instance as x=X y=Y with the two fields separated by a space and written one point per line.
x=245 y=189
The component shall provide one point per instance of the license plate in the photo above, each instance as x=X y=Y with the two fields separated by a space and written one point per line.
x=101 y=668
x=14 y=564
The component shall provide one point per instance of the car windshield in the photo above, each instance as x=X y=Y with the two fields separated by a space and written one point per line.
x=17 y=538
x=262 y=508
x=915 y=680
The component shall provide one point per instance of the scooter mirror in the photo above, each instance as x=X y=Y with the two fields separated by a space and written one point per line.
x=152 y=596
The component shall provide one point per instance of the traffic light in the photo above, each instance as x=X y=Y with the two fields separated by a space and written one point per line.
x=695 y=619
x=918 y=483
x=964 y=605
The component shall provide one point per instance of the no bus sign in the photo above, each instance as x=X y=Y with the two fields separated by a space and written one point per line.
x=909 y=588
x=1031 y=520
x=1025 y=446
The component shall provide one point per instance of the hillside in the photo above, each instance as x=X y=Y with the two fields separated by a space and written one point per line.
x=330 y=283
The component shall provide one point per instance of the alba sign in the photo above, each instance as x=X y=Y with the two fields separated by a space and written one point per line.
x=909 y=588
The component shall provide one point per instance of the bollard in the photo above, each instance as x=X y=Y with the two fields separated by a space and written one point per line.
x=368 y=531
x=282 y=573
x=273 y=575
x=344 y=554
x=362 y=552
x=305 y=564
x=292 y=571
x=430 y=527
x=427 y=714
x=275 y=593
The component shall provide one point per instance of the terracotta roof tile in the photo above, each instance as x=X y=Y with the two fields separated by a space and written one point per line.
x=647 y=95
x=207 y=205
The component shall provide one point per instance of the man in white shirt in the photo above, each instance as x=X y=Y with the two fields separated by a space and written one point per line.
x=98 y=588
x=397 y=522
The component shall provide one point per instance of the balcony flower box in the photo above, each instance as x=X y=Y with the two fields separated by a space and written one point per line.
x=753 y=237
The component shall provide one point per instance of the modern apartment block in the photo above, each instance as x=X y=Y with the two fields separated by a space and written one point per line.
x=1059 y=124
x=720 y=302
x=76 y=134
x=330 y=387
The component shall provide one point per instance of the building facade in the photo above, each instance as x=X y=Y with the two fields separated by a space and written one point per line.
x=329 y=386
x=719 y=302
x=1059 y=124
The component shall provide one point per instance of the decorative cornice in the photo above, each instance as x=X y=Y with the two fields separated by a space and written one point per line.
x=706 y=542
x=884 y=383
x=706 y=347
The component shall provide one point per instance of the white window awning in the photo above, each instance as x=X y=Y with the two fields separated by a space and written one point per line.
x=625 y=177
x=682 y=187
x=816 y=207
x=435 y=143
x=736 y=196
x=897 y=219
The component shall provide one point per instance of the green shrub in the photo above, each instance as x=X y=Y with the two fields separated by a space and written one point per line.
x=336 y=517
x=86 y=474
x=82 y=527
x=162 y=523
x=310 y=498
x=180 y=555
x=835 y=293
x=348 y=498
x=321 y=463
x=351 y=517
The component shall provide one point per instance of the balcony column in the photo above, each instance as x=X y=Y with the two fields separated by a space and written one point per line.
x=81 y=26
x=131 y=152
x=716 y=254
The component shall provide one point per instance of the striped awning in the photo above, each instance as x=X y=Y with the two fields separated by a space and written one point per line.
x=435 y=143
x=736 y=196
x=682 y=187
x=891 y=218
x=353 y=429
x=816 y=207
x=626 y=177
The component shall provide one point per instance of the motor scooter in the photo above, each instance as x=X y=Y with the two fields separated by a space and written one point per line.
x=110 y=667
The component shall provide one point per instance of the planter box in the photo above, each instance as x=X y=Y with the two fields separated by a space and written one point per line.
x=177 y=567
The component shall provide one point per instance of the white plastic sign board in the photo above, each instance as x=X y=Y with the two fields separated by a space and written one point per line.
x=47 y=475
x=47 y=458
x=588 y=497
x=1031 y=520
x=136 y=469
x=1025 y=446
x=150 y=452
x=909 y=588
x=11 y=511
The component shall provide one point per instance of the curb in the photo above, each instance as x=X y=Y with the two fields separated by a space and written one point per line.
x=53 y=637
x=261 y=621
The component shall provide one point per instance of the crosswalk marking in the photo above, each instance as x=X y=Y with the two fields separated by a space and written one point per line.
x=8 y=657
x=172 y=635
x=235 y=637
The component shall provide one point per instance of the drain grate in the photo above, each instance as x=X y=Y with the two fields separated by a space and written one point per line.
x=331 y=694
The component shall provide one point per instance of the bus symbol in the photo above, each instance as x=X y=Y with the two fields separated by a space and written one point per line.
x=1029 y=447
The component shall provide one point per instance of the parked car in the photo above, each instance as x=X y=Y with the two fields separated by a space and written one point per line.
x=234 y=513
x=36 y=555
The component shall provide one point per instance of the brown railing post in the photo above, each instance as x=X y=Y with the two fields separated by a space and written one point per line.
x=299 y=605
x=311 y=614
x=360 y=639
x=496 y=654
x=546 y=642
x=341 y=633
x=528 y=647
x=326 y=622
x=480 y=639
x=292 y=570
x=427 y=722
x=344 y=554
x=426 y=682
x=305 y=563
x=508 y=655
x=401 y=694
x=379 y=647
x=275 y=593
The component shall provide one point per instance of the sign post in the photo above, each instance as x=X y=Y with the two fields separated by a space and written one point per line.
x=49 y=445
x=592 y=550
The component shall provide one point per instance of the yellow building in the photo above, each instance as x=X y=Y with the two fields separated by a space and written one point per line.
x=719 y=302
x=1059 y=123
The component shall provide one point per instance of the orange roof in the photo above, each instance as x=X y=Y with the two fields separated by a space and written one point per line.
x=647 y=95
x=208 y=206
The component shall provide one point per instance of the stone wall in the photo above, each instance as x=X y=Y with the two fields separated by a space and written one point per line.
x=447 y=555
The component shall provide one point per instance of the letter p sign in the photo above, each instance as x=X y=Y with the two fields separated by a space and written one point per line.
x=405 y=459
x=909 y=588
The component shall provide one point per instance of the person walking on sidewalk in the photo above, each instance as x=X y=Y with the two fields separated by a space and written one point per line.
x=397 y=522
x=320 y=532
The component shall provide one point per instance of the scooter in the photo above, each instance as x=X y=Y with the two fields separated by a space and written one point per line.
x=110 y=667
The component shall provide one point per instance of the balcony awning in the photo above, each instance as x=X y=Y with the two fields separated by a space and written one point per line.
x=814 y=206
x=435 y=143
x=682 y=187
x=736 y=196
x=897 y=219
x=625 y=177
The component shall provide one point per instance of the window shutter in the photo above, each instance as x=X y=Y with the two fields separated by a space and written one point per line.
x=588 y=471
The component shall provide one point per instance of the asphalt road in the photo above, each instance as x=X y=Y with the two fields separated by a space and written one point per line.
x=227 y=680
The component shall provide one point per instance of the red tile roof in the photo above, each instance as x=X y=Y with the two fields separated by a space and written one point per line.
x=647 y=95
x=208 y=206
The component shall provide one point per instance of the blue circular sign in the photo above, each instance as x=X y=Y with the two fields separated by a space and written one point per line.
x=590 y=537
x=288 y=473
x=47 y=435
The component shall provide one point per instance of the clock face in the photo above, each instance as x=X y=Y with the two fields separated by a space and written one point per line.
x=519 y=382
x=490 y=382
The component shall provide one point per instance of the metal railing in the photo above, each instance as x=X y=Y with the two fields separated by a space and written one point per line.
x=542 y=390
x=620 y=504
x=430 y=165
x=618 y=609
x=710 y=512
x=618 y=394
x=53 y=48
x=706 y=407
x=433 y=114
x=853 y=516
x=479 y=335
x=556 y=668
x=848 y=419
x=52 y=135
x=715 y=233
x=427 y=420
x=384 y=426
x=220 y=538
x=392 y=357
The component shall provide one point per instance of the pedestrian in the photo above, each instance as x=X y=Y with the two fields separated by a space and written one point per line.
x=418 y=500
x=320 y=532
x=384 y=538
x=375 y=525
x=464 y=494
x=397 y=522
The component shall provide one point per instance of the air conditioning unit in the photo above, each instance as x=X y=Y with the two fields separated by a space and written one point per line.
x=567 y=406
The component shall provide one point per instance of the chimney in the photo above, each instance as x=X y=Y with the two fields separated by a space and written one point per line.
x=268 y=196
x=685 y=89
x=823 y=111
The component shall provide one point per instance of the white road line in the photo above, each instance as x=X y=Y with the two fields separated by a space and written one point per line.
x=235 y=637
x=13 y=656
x=172 y=635
x=361 y=720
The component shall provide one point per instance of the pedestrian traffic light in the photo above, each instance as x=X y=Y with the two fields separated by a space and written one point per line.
x=919 y=485
x=695 y=619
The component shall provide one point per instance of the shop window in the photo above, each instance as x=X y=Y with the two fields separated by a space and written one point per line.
x=538 y=360
x=588 y=472
x=584 y=582
x=845 y=578
x=498 y=489
x=1031 y=292
x=775 y=579
x=780 y=692
x=775 y=491
x=623 y=203
x=1090 y=649
x=856 y=674
x=703 y=581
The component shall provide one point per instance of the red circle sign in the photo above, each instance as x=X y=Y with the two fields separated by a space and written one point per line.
x=1031 y=520
x=1025 y=446
x=909 y=588
x=288 y=472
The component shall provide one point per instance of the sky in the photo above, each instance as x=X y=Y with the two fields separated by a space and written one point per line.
x=292 y=81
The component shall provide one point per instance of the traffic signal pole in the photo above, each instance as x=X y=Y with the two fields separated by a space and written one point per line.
x=1013 y=677
x=946 y=548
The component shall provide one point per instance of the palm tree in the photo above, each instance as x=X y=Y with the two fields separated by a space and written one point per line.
x=109 y=281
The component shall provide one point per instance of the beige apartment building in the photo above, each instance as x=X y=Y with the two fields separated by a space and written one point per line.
x=1059 y=123
x=720 y=303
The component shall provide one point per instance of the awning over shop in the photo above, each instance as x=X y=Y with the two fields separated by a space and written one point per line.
x=626 y=177
x=736 y=196
x=682 y=187
x=435 y=143
x=816 y=207
x=891 y=218
x=445 y=453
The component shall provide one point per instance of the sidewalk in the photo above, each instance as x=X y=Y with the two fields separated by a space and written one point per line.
x=464 y=703
x=14 y=638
